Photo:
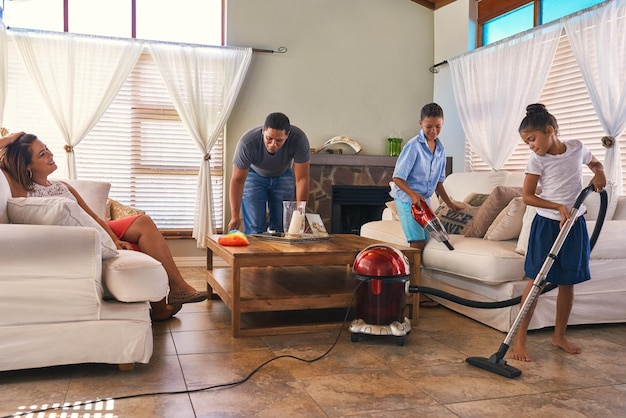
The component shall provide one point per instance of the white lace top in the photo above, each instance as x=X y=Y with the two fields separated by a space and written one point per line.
x=56 y=188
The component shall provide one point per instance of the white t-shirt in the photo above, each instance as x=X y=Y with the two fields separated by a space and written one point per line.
x=560 y=176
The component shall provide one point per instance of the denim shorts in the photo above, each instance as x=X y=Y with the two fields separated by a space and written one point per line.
x=262 y=201
x=412 y=230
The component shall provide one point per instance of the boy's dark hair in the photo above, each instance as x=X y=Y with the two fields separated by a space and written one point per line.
x=538 y=119
x=278 y=121
x=431 y=110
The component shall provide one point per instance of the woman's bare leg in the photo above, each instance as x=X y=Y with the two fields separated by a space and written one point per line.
x=144 y=232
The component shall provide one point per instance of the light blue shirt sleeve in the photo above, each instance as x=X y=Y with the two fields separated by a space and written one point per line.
x=420 y=168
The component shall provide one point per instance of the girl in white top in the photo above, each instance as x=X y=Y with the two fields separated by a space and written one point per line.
x=556 y=167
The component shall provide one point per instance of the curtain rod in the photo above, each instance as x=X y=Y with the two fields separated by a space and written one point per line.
x=279 y=50
x=434 y=69
x=546 y=26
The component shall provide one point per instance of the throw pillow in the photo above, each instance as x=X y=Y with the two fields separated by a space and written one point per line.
x=57 y=211
x=456 y=222
x=392 y=207
x=475 y=199
x=527 y=220
x=499 y=197
x=508 y=223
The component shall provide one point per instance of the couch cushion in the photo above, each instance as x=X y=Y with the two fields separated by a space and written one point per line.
x=592 y=203
x=459 y=185
x=508 y=223
x=57 y=211
x=133 y=276
x=94 y=193
x=498 y=199
x=475 y=258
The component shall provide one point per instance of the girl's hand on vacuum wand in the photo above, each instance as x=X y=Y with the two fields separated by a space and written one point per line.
x=565 y=215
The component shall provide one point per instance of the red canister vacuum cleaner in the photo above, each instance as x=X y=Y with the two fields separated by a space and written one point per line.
x=383 y=272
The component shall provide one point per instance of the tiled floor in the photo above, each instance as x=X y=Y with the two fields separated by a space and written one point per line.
x=427 y=377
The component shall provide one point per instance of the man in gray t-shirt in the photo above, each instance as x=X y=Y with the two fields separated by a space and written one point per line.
x=266 y=160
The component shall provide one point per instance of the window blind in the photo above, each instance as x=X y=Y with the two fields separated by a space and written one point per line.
x=139 y=145
x=566 y=97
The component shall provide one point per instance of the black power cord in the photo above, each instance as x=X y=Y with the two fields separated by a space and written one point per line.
x=218 y=386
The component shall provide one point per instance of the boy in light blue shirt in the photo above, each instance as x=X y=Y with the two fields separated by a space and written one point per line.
x=420 y=172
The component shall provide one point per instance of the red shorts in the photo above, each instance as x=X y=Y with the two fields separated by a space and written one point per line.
x=120 y=226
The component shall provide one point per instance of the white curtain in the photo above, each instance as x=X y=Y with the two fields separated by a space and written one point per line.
x=598 y=40
x=77 y=76
x=204 y=83
x=4 y=69
x=493 y=85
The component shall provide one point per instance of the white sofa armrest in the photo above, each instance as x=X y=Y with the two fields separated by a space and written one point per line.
x=53 y=268
x=133 y=276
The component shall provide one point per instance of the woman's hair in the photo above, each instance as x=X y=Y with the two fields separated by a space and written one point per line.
x=16 y=157
x=538 y=119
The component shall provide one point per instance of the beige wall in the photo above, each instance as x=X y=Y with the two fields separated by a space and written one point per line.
x=453 y=29
x=353 y=67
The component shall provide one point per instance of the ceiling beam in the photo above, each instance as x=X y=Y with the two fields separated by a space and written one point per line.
x=433 y=4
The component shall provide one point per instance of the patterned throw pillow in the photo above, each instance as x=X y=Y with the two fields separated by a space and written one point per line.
x=456 y=222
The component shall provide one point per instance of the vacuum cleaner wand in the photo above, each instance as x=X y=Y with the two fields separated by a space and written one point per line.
x=425 y=217
x=496 y=363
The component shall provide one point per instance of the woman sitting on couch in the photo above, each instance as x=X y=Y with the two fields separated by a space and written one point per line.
x=28 y=163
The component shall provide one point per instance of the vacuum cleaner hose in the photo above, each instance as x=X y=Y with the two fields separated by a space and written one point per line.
x=514 y=301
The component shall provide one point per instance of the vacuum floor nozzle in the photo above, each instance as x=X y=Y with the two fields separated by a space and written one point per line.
x=494 y=366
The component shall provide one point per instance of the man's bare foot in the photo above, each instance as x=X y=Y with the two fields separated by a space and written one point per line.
x=564 y=345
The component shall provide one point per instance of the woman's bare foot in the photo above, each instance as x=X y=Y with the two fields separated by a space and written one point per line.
x=564 y=345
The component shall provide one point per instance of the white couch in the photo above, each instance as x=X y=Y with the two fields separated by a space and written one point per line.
x=485 y=270
x=60 y=303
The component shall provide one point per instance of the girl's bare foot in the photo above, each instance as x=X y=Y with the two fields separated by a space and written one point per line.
x=564 y=345
x=519 y=349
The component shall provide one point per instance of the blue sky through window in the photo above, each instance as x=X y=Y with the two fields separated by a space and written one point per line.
x=556 y=9
x=508 y=24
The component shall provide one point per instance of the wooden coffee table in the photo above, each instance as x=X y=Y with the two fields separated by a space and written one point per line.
x=273 y=280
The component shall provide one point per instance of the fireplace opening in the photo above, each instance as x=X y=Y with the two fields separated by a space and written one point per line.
x=353 y=206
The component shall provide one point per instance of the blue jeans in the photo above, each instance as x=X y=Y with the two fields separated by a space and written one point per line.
x=262 y=195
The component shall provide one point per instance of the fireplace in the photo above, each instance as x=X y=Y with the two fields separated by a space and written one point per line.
x=331 y=170
x=353 y=206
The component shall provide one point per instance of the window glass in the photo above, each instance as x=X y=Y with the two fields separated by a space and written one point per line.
x=190 y=21
x=556 y=9
x=34 y=14
x=96 y=17
x=508 y=24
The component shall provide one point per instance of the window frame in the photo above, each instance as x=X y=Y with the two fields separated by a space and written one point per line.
x=142 y=112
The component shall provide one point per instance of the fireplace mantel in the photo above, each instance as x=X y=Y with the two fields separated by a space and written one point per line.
x=353 y=160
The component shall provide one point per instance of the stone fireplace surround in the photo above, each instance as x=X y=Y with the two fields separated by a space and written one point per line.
x=344 y=170
x=347 y=170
